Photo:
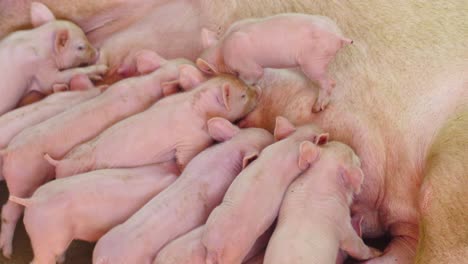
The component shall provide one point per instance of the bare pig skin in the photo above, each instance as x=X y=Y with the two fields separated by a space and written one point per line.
x=86 y=206
x=24 y=165
x=38 y=58
x=307 y=41
x=174 y=127
x=286 y=93
x=252 y=202
x=187 y=203
x=189 y=248
x=13 y=122
x=315 y=219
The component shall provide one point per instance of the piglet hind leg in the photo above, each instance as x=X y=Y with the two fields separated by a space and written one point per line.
x=316 y=70
x=249 y=71
x=11 y=213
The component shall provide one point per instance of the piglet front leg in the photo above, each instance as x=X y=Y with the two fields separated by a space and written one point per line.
x=94 y=72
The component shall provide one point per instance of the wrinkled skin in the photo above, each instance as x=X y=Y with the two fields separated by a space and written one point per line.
x=188 y=248
x=36 y=59
x=24 y=166
x=90 y=200
x=385 y=94
x=314 y=222
x=175 y=127
x=246 y=49
x=252 y=202
x=188 y=201
x=13 y=122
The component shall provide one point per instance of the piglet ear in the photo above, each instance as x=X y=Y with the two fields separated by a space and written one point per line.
x=248 y=158
x=308 y=154
x=352 y=178
x=148 y=61
x=62 y=37
x=321 y=139
x=221 y=129
x=206 y=67
x=209 y=38
x=189 y=77
x=226 y=93
x=40 y=14
x=283 y=128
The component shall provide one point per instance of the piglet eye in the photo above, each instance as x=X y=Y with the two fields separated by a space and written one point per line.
x=80 y=48
x=243 y=96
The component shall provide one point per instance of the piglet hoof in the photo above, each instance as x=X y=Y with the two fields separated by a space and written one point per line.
x=97 y=71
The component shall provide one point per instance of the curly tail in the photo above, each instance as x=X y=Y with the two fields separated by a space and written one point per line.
x=22 y=201
x=51 y=161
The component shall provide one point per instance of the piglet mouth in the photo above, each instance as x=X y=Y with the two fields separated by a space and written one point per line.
x=84 y=64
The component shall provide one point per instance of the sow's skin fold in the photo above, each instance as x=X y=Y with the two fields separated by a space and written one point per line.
x=187 y=203
x=314 y=222
x=174 y=127
x=24 y=166
x=252 y=202
x=86 y=206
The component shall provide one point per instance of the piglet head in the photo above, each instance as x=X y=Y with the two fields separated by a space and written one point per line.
x=234 y=98
x=71 y=48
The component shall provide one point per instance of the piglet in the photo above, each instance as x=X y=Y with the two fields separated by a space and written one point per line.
x=24 y=166
x=86 y=206
x=189 y=248
x=314 y=221
x=38 y=58
x=13 y=122
x=187 y=203
x=279 y=41
x=174 y=127
x=252 y=202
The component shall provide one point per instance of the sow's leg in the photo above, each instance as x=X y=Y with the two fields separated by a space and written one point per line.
x=444 y=196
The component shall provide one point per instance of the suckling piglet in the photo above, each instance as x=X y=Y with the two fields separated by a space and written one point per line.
x=86 y=206
x=13 y=122
x=279 y=41
x=24 y=166
x=252 y=202
x=38 y=58
x=174 y=127
x=314 y=221
x=187 y=203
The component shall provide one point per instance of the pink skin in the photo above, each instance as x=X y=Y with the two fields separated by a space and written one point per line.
x=189 y=248
x=13 y=122
x=90 y=200
x=314 y=222
x=34 y=60
x=25 y=168
x=246 y=48
x=388 y=107
x=286 y=93
x=188 y=201
x=179 y=121
x=252 y=202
